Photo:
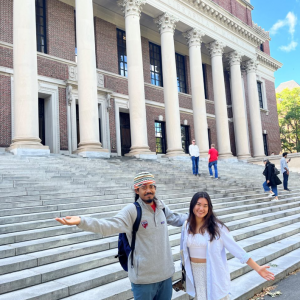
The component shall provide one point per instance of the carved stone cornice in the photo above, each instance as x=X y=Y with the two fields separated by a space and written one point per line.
x=234 y=58
x=166 y=23
x=250 y=66
x=74 y=77
x=261 y=31
x=226 y=19
x=193 y=37
x=215 y=48
x=131 y=7
x=268 y=61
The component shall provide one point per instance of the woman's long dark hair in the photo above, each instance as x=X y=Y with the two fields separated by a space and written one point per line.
x=211 y=222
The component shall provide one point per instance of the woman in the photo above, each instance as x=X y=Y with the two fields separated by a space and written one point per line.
x=272 y=179
x=203 y=242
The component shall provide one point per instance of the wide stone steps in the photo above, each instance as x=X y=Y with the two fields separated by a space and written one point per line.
x=39 y=259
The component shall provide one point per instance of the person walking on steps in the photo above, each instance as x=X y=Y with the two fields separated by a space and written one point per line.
x=285 y=170
x=272 y=179
x=204 y=239
x=194 y=153
x=152 y=267
x=213 y=161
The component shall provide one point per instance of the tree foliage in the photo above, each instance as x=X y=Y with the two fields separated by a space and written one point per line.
x=288 y=106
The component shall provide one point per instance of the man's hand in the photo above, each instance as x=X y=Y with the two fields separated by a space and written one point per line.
x=268 y=181
x=288 y=172
x=264 y=273
x=74 y=220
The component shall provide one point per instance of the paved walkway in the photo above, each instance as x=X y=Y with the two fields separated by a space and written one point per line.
x=289 y=287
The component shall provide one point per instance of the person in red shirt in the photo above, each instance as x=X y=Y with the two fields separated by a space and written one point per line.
x=213 y=161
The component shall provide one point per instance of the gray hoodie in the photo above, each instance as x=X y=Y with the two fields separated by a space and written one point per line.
x=153 y=260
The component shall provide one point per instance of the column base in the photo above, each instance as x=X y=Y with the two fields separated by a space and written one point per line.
x=244 y=157
x=28 y=147
x=141 y=153
x=177 y=154
x=92 y=150
x=204 y=155
x=228 y=157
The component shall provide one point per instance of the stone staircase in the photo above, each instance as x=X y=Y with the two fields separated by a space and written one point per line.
x=40 y=259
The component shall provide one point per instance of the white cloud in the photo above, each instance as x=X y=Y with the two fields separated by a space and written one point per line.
x=292 y=46
x=291 y=22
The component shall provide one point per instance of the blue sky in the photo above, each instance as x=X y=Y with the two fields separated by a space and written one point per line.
x=282 y=19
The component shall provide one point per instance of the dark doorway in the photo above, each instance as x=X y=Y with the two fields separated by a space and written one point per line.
x=185 y=138
x=209 y=137
x=77 y=124
x=160 y=137
x=100 y=136
x=265 y=138
x=125 y=133
x=42 y=120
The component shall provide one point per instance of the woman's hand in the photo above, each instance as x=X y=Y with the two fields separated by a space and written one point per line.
x=74 y=220
x=268 y=181
x=264 y=273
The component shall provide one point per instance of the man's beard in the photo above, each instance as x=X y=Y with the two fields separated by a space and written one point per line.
x=150 y=200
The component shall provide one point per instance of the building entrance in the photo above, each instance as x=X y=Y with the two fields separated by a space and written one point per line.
x=42 y=122
x=185 y=138
x=125 y=133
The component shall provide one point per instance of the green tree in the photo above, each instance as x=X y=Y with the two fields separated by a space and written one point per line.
x=288 y=106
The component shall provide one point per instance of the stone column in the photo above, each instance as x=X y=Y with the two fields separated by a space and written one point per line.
x=238 y=106
x=166 y=24
x=26 y=139
x=216 y=50
x=193 y=38
x=89 y=145
x=254 y=110
x=136 y=90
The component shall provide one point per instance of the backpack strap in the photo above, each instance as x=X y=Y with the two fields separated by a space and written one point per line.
x=135 y=228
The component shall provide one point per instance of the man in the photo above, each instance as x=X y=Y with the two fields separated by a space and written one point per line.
x=285 y=170
x=213 y=161
x=153 y=267
x=194 y=153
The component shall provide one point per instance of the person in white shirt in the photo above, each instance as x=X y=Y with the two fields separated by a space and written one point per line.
x=194 y=153
x=204 y=239
x=285 y=170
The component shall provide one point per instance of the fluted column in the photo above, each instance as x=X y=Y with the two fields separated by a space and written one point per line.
x=26 y=139
x=238 y=106
x=194 y=39
x=89 y=145
x=216 y=51
x=136 y=90
x=254 y=109
x=166 y=24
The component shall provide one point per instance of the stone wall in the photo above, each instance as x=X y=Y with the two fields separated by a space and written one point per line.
x=5 y=111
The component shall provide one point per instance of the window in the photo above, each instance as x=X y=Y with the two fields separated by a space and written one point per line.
x=260 y=97
x=155 y=64
x=209 y=137
x=265 y=139
x=204 y=80
x=261 y=47
x=160 y=137
x=180 y=68
x=122 y=56
x=185 y=138
x=40 y=11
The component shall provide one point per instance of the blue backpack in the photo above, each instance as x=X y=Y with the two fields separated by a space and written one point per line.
x=124 y=249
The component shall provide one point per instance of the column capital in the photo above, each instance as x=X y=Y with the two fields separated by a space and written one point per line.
x=131 y=7
x=166 y=23
x=251 y=66
x=234 y=58
x=215 y=48
x=193 y=37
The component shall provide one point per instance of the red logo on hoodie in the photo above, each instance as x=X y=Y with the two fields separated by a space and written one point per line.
x=144 y=224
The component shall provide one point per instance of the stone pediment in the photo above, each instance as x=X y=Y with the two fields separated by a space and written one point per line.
x=73 y=76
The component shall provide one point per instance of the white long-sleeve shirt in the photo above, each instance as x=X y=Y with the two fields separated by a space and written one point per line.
x=218 y=275
x=194 y=150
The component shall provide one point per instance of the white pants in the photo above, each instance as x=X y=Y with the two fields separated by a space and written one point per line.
x=200 y=280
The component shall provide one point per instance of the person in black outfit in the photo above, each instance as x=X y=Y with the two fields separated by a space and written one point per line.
x=272 y=179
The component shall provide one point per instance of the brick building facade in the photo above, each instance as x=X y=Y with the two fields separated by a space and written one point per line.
x=57 y=76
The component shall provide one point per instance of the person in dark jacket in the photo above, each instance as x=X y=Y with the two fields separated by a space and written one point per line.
x=272 y=179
